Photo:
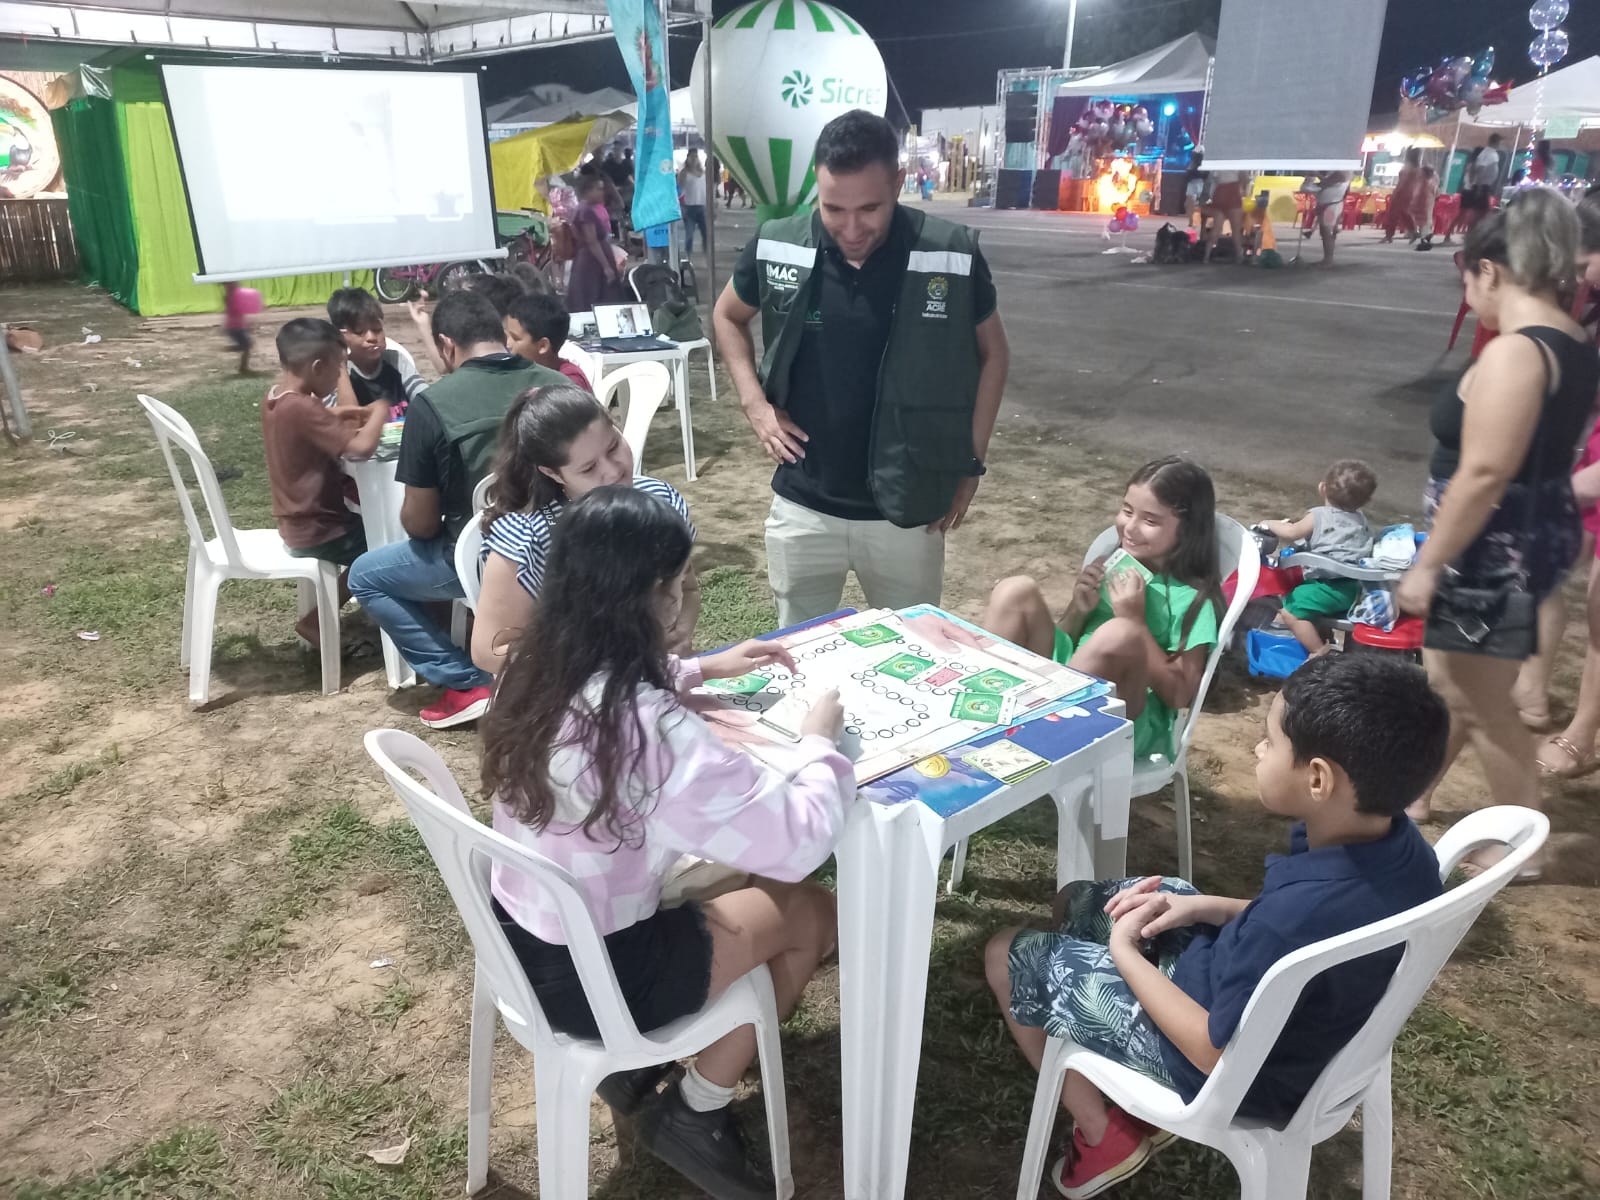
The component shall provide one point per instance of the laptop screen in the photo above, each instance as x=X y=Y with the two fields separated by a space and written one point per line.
x=622 y=320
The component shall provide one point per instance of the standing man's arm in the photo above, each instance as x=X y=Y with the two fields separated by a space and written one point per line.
x=781 y=438
x=994 y=357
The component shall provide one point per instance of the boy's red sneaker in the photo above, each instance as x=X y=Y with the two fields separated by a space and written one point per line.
x=456 y=708
x=1089 y=1170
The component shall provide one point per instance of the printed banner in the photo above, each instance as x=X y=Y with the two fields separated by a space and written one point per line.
x=642 y=40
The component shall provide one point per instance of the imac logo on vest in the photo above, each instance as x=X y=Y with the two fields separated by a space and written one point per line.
x=938 y=289
x=783 y=276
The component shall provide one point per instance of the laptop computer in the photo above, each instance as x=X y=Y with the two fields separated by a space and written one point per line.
x=625 y=328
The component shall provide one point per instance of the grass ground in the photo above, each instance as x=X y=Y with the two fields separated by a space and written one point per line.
x=195 y=901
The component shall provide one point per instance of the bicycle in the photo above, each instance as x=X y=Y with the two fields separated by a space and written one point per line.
x=397 y=284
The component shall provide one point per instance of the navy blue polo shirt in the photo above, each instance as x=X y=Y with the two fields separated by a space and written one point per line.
x=1308 y=895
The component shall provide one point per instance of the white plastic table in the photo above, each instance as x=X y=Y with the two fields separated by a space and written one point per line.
x=888 y=882
x=674 y=356
x=381 y=496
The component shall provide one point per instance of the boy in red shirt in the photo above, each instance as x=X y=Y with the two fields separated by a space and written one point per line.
x=537 y=326
x=304 y=441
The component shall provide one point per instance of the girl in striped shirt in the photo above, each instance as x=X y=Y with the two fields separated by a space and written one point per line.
x=556 y=444
x=594 y=763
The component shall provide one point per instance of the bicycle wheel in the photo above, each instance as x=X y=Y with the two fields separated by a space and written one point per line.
x=391 y=286
x=454 y=275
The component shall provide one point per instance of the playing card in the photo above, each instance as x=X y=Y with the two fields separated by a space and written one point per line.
x=905 y=667
x=1121 y=560
x=943 y=676
x=786 y=716
x=870 y=635
x=741 y=685
x=1006 y=761
x=995 y=681
x=983 y=707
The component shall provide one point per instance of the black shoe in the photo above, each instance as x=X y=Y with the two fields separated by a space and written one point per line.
x=705 y=1148
x=627 y=1090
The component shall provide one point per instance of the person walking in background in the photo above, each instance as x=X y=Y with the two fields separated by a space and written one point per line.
x=1408 y=209
x=595 y=276
x=882 y=374
x=1505 y=524
x=1480 y=180
x=1540 y=163
x=692 y=188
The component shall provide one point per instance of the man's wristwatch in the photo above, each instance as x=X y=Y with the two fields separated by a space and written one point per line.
x=977 y=467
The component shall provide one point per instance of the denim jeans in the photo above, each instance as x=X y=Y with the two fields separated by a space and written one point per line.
x=392 y=583
x=694 y=217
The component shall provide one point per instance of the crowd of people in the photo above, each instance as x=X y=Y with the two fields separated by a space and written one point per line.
x=875 y=397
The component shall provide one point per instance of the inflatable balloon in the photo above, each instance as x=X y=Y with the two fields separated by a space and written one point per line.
x=1457 y=82
x=1131 y=221
x=1116 y=225
x=1547 y=14
x=1548 y=48
x=779 y=73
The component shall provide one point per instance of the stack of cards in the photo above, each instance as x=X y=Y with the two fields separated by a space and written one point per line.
x=1006 y=761
x=989 y=697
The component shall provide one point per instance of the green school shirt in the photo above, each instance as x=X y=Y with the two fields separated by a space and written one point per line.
x=1166 y=603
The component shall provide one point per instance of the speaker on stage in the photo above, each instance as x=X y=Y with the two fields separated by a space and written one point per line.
x=1013 y=189
x=1046 y=190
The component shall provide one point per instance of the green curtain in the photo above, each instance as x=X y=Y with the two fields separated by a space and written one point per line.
x=167 y=258
x=97 y=196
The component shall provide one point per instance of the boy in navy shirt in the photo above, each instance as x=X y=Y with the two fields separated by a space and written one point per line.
x=1154 y=975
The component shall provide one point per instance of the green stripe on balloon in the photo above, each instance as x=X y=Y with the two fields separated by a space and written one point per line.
x=781 y=151
x=808 y=184
x=739 y=152
x=753 y=15
x=785 y=15
x=848 y=23
x=819 y=17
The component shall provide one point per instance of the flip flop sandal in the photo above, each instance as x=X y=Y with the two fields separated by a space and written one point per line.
x=1582 y=763
x=1536 y=721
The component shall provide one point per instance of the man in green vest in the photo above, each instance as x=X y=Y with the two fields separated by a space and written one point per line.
x=448 y=446
x=883 y=365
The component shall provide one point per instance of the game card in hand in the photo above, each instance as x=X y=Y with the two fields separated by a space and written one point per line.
x=787 y=716
x=1121 y=560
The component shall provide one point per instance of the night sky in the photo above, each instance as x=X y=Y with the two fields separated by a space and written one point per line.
x=946 y=52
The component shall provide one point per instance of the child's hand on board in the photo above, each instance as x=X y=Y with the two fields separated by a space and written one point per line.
x=826 y=718
x=1127 y=595
x=744 y=658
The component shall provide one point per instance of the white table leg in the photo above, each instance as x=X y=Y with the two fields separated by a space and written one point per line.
x=680 y=387
x=888 y=882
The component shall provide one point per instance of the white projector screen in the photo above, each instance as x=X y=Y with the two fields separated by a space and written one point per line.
x=1292 y=84
x=296 y=170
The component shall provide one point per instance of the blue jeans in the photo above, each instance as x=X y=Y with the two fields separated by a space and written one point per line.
x=392 y=583
x=694 y=216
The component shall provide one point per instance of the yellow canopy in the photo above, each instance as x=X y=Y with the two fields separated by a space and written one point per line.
x=539 y=153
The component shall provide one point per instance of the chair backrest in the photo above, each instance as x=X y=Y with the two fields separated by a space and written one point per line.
x=1237 y=553
x=480 y=494
x=1429 y=934
x=463 y=848
x=172 y=430
x=469 y=559
x=648 y=384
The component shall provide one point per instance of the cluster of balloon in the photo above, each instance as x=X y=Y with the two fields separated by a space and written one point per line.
x=1457 y=82
x=1105 y=127
x=1550 y=42
x=1124 y=220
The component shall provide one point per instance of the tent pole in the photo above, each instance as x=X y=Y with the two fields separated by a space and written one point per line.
x=713 y=186
x=20 y=427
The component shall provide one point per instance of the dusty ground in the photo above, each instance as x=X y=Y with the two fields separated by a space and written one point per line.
x=193 y=901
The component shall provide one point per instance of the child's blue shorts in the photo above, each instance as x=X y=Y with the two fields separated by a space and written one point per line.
x=1065 y=983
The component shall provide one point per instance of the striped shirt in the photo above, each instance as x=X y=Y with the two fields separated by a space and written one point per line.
x=523 y=539
x=691 y=793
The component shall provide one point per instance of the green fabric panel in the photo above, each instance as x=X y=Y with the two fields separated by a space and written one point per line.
x=167 y=257
x=136 y=84
x=97 y=195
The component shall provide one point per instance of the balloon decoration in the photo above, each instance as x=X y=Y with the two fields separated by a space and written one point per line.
x=780 y=72
x=1457 y=82
x=1108 y=128
x=1550 y=43
x=1124 y=220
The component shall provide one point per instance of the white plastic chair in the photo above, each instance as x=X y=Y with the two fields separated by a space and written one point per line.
x=647 y=384
x=566 y=1069
x=1236 y=552
x=1273 y=1164
x=469 y=559
x=480 y=494
x=234 y=554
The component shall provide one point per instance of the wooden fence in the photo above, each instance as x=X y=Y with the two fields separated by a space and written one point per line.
x=36 y=241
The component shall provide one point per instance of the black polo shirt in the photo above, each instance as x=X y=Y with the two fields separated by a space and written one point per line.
x=833 y=389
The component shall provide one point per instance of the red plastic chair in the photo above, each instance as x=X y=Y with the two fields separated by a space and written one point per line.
x=1406 y=636
x=1352 y=208
x=1445 y=211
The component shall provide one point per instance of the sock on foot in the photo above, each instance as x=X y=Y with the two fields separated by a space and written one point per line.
x=701 y=1095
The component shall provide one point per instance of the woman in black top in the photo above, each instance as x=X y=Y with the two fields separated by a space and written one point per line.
x=1500 y=496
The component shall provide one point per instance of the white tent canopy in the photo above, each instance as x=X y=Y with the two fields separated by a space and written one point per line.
x=548 y=105
x=1180 y=66
x=682 y=109
x=393 y=29
x=1572 y=91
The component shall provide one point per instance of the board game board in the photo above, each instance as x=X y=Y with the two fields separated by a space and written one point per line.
x=911 y=684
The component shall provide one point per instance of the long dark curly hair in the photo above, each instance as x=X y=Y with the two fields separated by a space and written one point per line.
x=597 y=620
x=537 y=432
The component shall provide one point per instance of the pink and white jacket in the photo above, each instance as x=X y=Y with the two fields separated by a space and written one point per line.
x=697 y=795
